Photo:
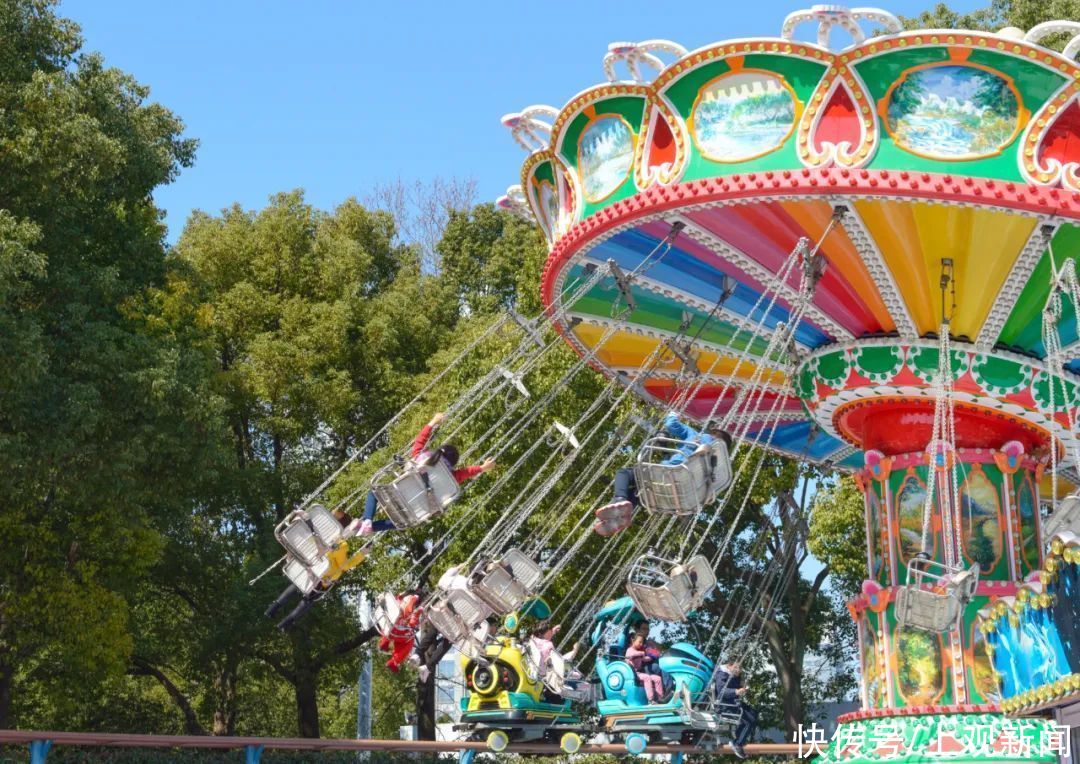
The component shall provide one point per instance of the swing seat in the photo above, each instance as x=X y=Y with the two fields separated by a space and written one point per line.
x=415 y=493
x=695 y=718
x=303 y=576
x=308 y=535
x=462 y=618
x=685 y=488
x=935 y=595
x=557 y=679
x=1066 y=518
x=508 y=582
x=555 y=675
x=669 y=591
x=385 y=614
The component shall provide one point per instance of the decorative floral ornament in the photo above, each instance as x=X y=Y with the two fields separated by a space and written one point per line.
x=1008 y=459
x=872 y=591
x=514 y=201
x=528 y=128
x=829 y=16
x=940 y=455
x=634 y=54
x=878 y=465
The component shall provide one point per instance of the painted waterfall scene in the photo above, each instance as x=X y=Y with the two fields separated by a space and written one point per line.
x=741 y=116
x=605 y=156
x=953 y=112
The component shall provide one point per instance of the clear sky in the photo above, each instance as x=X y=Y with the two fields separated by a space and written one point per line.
x=335 y=96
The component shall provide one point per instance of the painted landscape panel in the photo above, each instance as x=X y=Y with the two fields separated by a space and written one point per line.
x=953 y=112
x=871 y=675
x=918 y=664
x=741 y=116
x=1029 y=532
x=549 y=203
x=980 y=514
x=909 y=504
x=982 y=670
x=605 y=155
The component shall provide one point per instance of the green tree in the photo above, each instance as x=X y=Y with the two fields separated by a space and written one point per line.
x=317 y=325
x=95 y=411
x=838 y=533
x=1023 y=14
x=485 y=253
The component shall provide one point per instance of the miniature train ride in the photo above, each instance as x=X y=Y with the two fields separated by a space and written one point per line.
x=510 y=698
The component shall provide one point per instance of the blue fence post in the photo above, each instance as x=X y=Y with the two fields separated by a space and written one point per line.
x=39 y=751
x=253 y=754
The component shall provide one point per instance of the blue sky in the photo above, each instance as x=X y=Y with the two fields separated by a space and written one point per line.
x=334 y=97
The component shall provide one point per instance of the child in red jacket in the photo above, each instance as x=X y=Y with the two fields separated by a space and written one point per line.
x=400 y=639
x=447 y=451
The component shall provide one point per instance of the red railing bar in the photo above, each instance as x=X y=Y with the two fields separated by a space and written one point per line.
x=126 y=740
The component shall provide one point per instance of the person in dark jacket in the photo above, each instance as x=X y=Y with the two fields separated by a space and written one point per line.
x=729 y=696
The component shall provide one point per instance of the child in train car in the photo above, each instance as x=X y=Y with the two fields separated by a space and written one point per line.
x=447 y=451
x=401 y=639
x=637 y=658
x=340 y=562
x=652 y=648
x=543 y=636
x=617 y=516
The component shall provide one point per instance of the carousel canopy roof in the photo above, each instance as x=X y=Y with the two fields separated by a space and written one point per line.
x=931 y=149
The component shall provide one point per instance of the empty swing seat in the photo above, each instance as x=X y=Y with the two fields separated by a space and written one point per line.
x=554 y=674
x=667 y=590
x=557 y=679
x=685 y=488
x=935 y=595
x=412 y=494
x=508 y=582
x=1066 y=518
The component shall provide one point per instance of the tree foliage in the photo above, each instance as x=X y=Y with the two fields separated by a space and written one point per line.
x=94 y=420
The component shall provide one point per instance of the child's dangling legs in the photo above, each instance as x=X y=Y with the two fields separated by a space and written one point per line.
x=653 y=688
x=617 y=516
x=279 y=603
x=625 y=486
x=402 y=648
x=369 y=524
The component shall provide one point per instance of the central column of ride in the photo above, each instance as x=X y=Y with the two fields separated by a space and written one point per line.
x=929 y=693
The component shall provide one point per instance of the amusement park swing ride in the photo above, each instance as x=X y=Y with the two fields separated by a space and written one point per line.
x=861 y=258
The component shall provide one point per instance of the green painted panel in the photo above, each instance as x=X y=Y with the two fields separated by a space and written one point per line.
x=1033 y=81
x=801 y=75
x=1024 y=326
x=544 y=171
x=632 y=109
